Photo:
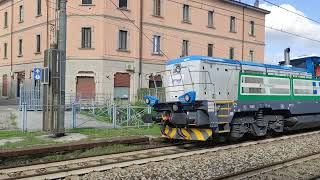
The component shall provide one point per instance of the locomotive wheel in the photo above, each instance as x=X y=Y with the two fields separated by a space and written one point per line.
x=239 y=127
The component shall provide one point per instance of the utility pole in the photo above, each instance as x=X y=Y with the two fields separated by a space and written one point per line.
x=62 y=46
x=53 y=80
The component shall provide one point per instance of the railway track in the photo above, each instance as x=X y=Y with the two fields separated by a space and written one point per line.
x=101 y=163
x=257 y=172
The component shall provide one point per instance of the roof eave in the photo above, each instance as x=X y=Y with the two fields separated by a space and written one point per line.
x=247 y=6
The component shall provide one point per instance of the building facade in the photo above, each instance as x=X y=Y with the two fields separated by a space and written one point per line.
x=113 y=46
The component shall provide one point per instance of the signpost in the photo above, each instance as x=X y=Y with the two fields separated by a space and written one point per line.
x=37 y=73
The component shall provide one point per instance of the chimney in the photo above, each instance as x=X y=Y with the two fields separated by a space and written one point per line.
x=256 y=3
x=287 y=57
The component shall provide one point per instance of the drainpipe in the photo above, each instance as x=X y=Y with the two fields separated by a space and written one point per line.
x=140 y=44
x=47 y=25
x=11 y=50
x=242 y=34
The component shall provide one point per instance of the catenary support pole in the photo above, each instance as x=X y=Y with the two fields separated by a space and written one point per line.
x=62 y=67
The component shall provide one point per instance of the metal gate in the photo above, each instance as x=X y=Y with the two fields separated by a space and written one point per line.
x=31 y=95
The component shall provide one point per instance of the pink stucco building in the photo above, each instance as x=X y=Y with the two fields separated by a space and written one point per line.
x=113 y=44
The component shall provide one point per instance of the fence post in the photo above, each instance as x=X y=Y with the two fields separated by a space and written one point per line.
x=24 y=117
x=93 y=107
x=20 y=99
x=114 y=116
x=149 y=111
x=128 y=114
x=74 y=115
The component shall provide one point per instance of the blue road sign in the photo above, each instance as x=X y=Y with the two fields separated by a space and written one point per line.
x=37 y=73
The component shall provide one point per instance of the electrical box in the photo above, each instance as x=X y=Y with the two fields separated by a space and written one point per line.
x=129 y=67
x=45 y=78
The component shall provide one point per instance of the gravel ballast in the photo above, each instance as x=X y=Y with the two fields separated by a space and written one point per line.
x=304 y=170
x=215 y=164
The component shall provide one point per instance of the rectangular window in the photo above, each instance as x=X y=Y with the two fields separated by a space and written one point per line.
x=86 y=37
x=5 y=50
x=123 y=4
x=210 y=50
x=251 y=55
x=38 y=7
x=210 y=18
x=20 y=47
x=157 y=7
x=155 y=81
x=304 y=87
x=186 y=13
x=255 y=85
x=38 y=41
x=86 y=1
x=233 y=24
x=123 y=40
x=252 y=28
x=156 y=44
x=231 y=53
x=185 y=48
x=5 y=19
x=21 y=13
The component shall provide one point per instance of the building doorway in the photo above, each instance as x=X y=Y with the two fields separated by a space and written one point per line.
x=86 y=88
x=121 y=86
x=20 y=80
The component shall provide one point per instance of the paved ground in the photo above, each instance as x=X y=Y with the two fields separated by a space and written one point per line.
x=8 y=117
x=8 y=102
x=34 y=121
x=12 y=118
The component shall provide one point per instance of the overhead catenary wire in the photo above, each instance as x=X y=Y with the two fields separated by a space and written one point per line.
x=272 y=28
x=301 y=15
x=138 y=27
x=9 y=6
x=171 y=36
x=213 y=6
x=287 y=32
x=192 y=41
x=262 y=25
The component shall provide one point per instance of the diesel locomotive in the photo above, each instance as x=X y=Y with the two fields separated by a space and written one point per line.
x=208 y=97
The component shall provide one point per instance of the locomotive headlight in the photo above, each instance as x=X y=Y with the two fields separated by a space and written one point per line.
x=147 y=101
x=175 y=107
x=178 y=69
x=187 y=97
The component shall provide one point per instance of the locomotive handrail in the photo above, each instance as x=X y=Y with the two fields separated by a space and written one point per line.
x=161 y=73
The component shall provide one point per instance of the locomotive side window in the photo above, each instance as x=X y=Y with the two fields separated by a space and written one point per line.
x=279 y=86
x=263 y=85
x=252 y=85
x=303 y=87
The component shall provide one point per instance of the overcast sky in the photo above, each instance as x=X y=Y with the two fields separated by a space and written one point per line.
x=276 y=41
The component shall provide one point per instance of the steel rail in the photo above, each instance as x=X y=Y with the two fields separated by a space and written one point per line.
x=101 y=163
x=272 y=167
